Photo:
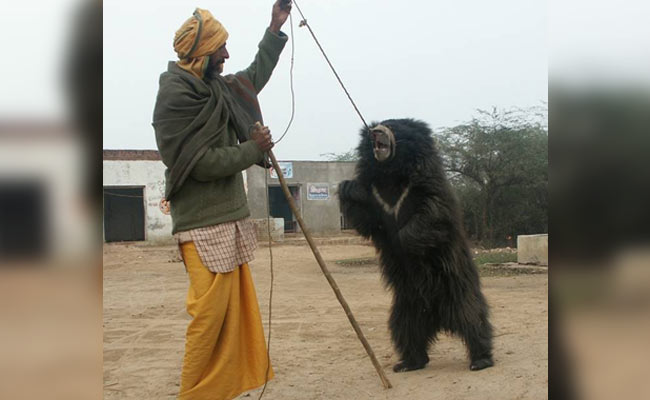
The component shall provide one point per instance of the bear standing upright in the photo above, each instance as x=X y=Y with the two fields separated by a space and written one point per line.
x=401 y=200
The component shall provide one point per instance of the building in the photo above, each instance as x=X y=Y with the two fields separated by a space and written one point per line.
x=44 y=212
x=134 y=185
x=313 y=186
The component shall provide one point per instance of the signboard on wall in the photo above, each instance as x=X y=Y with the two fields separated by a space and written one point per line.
x=318 y=191
x=287 y=170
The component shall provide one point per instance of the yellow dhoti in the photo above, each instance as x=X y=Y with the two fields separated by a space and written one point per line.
x=225 y=351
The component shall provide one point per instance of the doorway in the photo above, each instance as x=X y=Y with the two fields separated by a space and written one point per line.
x=279 y=206
x=23 y=220
x=123 y=214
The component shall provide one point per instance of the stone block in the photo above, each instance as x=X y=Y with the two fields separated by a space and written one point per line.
x=532 y=249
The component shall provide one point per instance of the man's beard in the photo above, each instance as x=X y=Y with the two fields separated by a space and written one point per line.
x=213 y=70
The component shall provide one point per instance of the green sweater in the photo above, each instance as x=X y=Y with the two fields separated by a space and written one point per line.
x=209 y=187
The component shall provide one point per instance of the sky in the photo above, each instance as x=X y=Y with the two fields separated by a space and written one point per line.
x=33 y=58
x=434 y=61
x=599 y=43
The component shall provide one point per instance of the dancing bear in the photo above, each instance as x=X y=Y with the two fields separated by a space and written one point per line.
x=402 y=201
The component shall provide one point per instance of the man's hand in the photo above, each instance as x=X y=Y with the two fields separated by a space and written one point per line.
x=279 y=15
x=262 y=137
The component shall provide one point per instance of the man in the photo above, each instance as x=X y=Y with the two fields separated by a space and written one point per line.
x=207 y=132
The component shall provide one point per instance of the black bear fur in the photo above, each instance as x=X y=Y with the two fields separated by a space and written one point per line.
x=424 y=255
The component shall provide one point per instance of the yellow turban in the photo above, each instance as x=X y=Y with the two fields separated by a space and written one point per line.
x=200 y=36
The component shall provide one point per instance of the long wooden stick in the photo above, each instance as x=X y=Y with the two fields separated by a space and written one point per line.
x=327 y=274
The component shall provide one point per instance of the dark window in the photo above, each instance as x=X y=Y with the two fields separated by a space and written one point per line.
x=23 y=220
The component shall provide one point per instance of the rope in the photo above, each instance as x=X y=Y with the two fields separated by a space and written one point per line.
x=304 y=23
x=267 y=172
x=268 y=214
x=268 y=231
x=293 y=95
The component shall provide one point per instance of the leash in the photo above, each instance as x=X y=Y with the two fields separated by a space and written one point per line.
x=293 y=94
x=313 y=35
x=302 y=23
x=268 y=231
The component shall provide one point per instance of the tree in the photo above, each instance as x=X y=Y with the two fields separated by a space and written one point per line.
x=498 y=164
x=350 y=155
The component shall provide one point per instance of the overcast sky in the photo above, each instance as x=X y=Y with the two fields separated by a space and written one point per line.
x=436 y=61
x=34 y=39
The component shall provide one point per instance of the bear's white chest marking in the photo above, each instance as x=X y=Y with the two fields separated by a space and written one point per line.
x=391 y=210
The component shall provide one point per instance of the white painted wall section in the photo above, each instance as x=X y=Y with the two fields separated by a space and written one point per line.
x=151 y=175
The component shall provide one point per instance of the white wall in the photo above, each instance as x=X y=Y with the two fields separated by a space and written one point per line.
x=151 y=175
x=56 y=163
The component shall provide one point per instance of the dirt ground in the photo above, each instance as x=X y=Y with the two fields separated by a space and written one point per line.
x=314 y=350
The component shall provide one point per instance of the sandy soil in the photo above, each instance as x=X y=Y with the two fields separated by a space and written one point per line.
x=314 y=350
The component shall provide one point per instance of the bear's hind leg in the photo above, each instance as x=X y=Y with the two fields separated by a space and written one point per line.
x=410 y=335
x=478 y=338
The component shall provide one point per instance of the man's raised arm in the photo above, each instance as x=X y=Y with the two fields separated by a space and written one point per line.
x=269 y=48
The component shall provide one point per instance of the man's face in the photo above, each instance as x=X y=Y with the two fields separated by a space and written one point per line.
x=215 y=65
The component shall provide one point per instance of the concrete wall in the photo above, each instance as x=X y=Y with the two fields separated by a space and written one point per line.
x=277 y=229
x=151 y=175
x=532 y=249
x=321 y=216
